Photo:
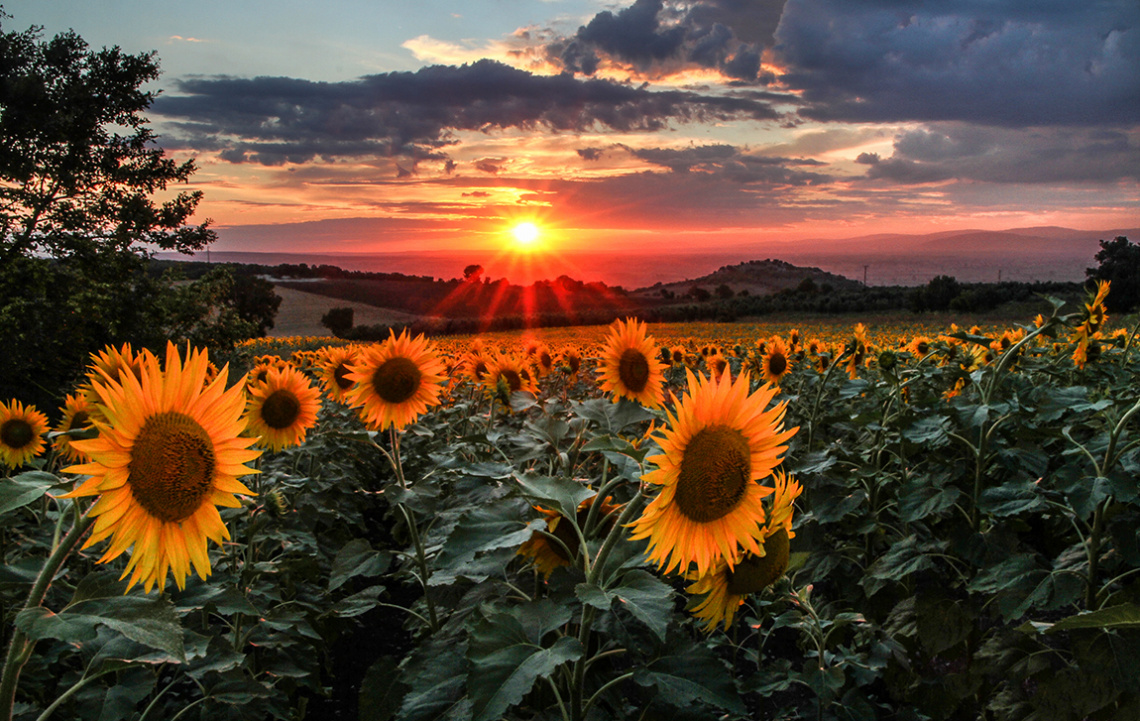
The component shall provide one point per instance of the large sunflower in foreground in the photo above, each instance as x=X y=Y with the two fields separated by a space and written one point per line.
x=282 y=408
x=396 y=381
x=169 y=452
x=725 y=588
x=721 y=441
x=629 y=366
x=22 y=430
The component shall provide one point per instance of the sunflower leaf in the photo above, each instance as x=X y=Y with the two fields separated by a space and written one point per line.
x=357 y=558
x=561 y=494
x=25 y=488
x=648 y=598
x=506 y=660
x=691 y=674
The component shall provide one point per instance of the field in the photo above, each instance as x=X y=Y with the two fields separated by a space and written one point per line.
x=824 y=520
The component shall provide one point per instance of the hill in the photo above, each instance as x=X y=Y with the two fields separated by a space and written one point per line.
x=753 y=277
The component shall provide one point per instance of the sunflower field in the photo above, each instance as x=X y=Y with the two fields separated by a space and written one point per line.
x=668 y=522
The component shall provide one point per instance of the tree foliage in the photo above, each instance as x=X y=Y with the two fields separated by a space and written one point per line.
x=1119 y=262
x=85 y=198
x=78 y=164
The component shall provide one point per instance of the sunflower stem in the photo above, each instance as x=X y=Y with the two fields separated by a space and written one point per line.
x=20 y=647
x=577 y=713
x=413 y=529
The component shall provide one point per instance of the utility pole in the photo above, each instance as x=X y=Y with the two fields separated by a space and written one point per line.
x=865 y=274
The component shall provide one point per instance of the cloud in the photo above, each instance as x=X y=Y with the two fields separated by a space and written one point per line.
x=273 y=120
x=723 y=162
x=654 y=38
x=1009 y=64
x=1002 y=155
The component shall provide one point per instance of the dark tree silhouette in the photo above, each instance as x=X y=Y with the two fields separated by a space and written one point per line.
x=1119 y=262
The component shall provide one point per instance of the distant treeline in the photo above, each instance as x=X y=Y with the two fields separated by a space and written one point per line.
x=475 y=304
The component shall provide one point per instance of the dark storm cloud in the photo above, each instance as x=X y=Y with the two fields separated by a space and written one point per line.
x=725 y=162
x=1002 y=155
x=1017 y=64
x=654 y=36
x=273 y=120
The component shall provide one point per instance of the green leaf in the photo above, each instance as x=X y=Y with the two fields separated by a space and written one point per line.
x=1126 y=615
x=24 y=489
x=648 y=598
x=919 y=499
x=148 y=621
x=641 y=593
x=506 y=662
x=593 y=595
x=357 y=558
x=380 y=695
x=358 y=603
x=498 y=525
x=929 y=431
x=612 y=417
x=561 y=494
x=1011 y=499
x=40 y=622
x=692 y=674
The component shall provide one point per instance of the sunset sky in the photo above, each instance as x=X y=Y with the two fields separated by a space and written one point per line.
x=436 y=124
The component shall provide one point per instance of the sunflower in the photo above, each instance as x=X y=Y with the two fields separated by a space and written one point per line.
x=549 y=554
x=507 y=374
x=76 y=416
x=544 y=360
x=777 y=362
x=920 y=346
x=717 y=364
x=725 y=587
x=21 y=433
x=282 y=409
x=629 y=367
x=169 y=452
x=474 y=364
x=396 y=381
x=719 y=443
x=334 y=369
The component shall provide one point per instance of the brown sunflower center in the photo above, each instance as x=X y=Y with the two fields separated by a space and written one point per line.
x=80 y=420
x=16 y=433
x=480 y=370
x=340 y=377
x=755 y=573
x=715 y=472
x=397 y=379
x=777 y=364
x=280 y=409
x=923 y=348
x=172 y=466
x=514 y=380
x=545 y=359
x=633 y=370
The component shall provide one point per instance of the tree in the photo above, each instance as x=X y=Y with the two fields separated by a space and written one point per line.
x=338 y=320
x=78 y=163
x=1119 y=263
x=472 y=272
x=255 y=301
x=78 y=167
x=724 y=291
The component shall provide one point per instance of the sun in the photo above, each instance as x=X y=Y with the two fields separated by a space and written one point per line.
x=526 y=234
